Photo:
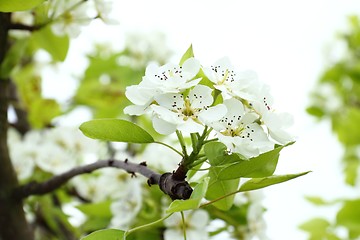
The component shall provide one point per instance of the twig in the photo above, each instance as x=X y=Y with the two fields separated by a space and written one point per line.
x=20 y=26
x=34 y=188
x=175 y=188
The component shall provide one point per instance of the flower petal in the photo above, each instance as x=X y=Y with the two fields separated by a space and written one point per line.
x=212 y=114
x=162 y=126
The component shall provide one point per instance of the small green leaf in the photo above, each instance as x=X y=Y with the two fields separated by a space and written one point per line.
x=316 y=226
x=42 y=111
x=115 y=130
x=348 y=215
x=105 y=234
x=188 y=54
x=193 y=202
x=56 y=46
x=18 y=5
x=320 y=201
x=12 y=58
x=257 y=183
x=217 y=154
x=100 y=209
x=218 y=188
x=263 y=165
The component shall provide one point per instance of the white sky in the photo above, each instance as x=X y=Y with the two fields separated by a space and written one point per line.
x=286 y=43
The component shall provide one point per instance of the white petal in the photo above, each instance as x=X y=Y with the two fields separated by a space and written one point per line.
x=170 y=101
x=190 y=68
x=234 y=107
x=173 y=234
x=136 y=110
x=139 y=95
x=212 y=114
x=166 y=114
x=200 y=96
x=199 y=219
x=190 y=126
x=162 y=126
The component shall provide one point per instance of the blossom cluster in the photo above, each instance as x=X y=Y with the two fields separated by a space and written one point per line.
x=68 y=16
x=190 y=97
x=53 y=150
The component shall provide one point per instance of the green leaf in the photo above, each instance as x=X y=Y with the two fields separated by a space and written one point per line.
x=257 y=183
x=263 y=165
x=193 y=202
x=316 y=226
x=56 y=46
x=42 y=111
x=218 y=188
x=105 y=234
x=347 y=127
x=315 y=111
x=188 y=54
x=320 y=201
x=12 y=58
x=348 y=215
x=100 y=209
x=115 y=130
x=217 y=154
x=18 y=5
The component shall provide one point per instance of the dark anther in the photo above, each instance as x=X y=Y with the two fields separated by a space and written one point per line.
x=111 y=162
x=143 y=164
x=126 y=160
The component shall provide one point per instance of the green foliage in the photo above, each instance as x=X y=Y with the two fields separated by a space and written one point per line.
x=103 y=85
x=115 y=130
x=257 y=183
x=218 y=188
x=18 y=5
x=337 y=98
x=319 y=228
x=188 y=54
x=108 y=234
x=261 y=166
x=13 y=57
x=217 y=154
x=46 y=39
x=348 y=216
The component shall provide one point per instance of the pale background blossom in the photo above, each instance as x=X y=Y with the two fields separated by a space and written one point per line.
x=286 y=42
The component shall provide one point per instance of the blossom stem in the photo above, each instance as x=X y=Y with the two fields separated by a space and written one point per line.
x=182 y=143
x=210 y=140
x=145 y=226
x=172 y=148
x=183 y=224
x=194 y=140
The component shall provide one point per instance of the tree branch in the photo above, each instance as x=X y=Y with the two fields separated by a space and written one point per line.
x=176 y=189
x=20 y=26
x=34 y=188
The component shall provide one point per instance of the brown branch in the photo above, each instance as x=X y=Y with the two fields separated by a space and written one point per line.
x=34 y=188
x=20 y=26
x=175 y=188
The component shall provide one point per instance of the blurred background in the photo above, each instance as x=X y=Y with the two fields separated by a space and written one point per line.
x=291 y=45
x=288 y=43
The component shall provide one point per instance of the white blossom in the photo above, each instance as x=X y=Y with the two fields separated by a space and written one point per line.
x=53 y=159
x=125 y=209
x=169 y=78
x=240 y=132
x=276 y=123
x=230 y=81
x=186 y=113
x=68 y=16
x=195 y=223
